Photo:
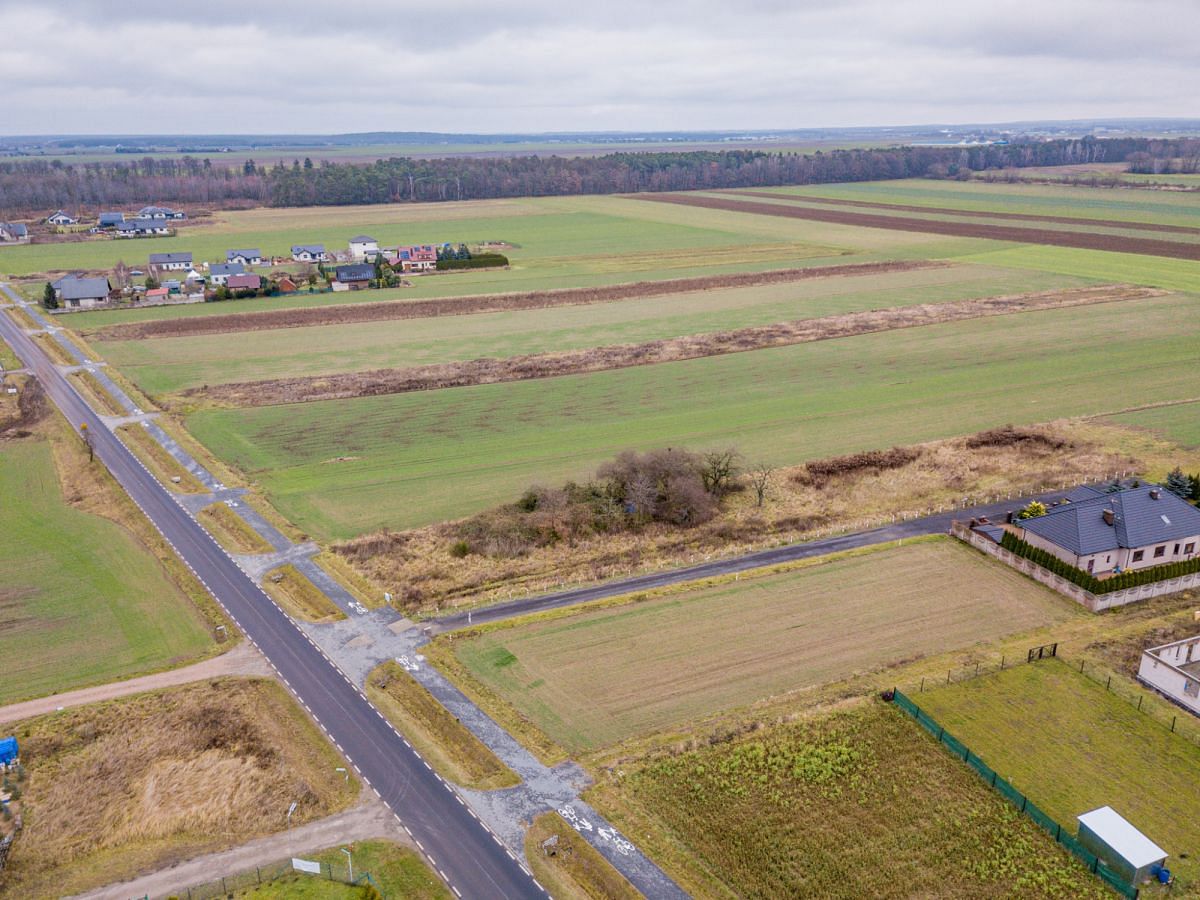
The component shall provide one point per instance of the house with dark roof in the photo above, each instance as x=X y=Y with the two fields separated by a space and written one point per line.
x=174 y=262
x=1105 y=533
x=61 y=218
x=218 y=273
x=110 y=219
x=309 y=253
x=13 y=232
x=142 y=228
x=354 y=277
x=160 y=212
x=363 y=246
x=78 y=292
x=244 y=282
x=249 y=257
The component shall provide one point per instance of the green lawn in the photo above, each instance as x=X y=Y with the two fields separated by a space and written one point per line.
x=165 y=365
x=1179 y=422
x=81 y=602
x=397 y=871
x=419 y=458
x=1072 y=746
x=1155 y=271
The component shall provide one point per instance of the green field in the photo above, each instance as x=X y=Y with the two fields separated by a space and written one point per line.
x=165 y=365
x=1072 y=746
x=1179 y=422
x=81 y=602
x=396 y=871
x=860 y=803
x=419 y=458
x=595 y=678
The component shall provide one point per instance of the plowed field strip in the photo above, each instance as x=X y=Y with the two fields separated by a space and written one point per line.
x=575 y=362
x=484 y=303
x=1081 y=240
x=973 y=213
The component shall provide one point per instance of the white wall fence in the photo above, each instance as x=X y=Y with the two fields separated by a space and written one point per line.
x=1093 y=602
x=1161 y=669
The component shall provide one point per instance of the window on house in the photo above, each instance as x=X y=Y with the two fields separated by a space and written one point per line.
x=1189 y=548
x=1160 y=551
x=1191 y=688
x=1138 y=555
x=1175 y=552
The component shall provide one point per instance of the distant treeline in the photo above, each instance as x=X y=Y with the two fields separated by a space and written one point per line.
x=26 y=185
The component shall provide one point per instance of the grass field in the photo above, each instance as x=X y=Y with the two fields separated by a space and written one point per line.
x=1072 y=746
x=854 y=804
x=397 y=871
x=165 y=365
x=593 y=679
x=81 y=601
x=417 y=458
x=1179 y=422
x=137 y=784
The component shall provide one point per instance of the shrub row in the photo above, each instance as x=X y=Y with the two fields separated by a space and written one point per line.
x=478 y=261
x=1089 y=582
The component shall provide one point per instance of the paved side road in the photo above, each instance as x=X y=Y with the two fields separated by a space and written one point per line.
x=938 y=523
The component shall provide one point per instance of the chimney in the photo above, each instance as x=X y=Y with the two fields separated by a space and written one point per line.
x=1109 y=517
x=1154 y=493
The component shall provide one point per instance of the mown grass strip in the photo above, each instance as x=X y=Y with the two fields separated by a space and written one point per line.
x=344 y=574
x=96 y=392
x=232 y=531
x=438 y=736
x=159 y=461
x=572 y=869
x=299 y=597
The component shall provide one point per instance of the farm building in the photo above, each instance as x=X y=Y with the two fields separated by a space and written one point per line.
x=243 y=282
x=110 y=219
x=76 y=291
x=1111 y=837
x=354 y=277
x=251 y=257
x=363 y=246
x=417 y=258
x=219 y=273
x=1174 y=671
x=174 y=262
x=142 y=228
x=1114 y=532
x=159 y=293
x=309 y=253
x=286 y=285
x=61 y=218
x=13 y=232
x=159 y=212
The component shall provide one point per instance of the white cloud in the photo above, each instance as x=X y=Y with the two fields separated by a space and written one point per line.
x=536 y=65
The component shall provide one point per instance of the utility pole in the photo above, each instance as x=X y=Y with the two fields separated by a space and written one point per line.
x=350 y=863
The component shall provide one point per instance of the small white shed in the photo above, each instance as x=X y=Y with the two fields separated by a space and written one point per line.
x=1129 y=852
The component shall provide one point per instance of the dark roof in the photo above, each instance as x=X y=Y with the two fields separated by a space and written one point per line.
x=151 y=210
x=226 y=269
x=311 y=248
x=15 y=228
x=995 y=532
x=248 y=254
x=158 y=259
x=362 y=239
x=111 y=218
x=244 y=281
x=355 y=273
x=1139 y=520
x=83 y=288
x=140 y=225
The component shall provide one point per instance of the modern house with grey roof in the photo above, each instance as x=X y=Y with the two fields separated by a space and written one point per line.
x=363 y=246
x=249 y=257
x=13 y=232
x=1105 y=533
x=218 y=273
x=110 y=219
x=160 y=212
x=174 y=262
x=77 y=292
x=353 y=277
x=58 y=217
x=309 y=253
x=142 y=228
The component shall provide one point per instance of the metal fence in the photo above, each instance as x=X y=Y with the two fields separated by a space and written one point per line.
x=1094 y=864
x=223 y=887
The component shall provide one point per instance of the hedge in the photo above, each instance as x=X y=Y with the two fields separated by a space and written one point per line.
x=1089 y=582
x=479 y=261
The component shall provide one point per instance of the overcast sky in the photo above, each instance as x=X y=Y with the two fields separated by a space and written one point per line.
x=218 y=66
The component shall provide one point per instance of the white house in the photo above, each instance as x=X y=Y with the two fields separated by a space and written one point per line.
x=171 y=262
x=309 y=253
x=219 y=273
x=159 y=212
x=1174 y=671
x=142 y=228
x=250 y=257
x=61 y=218
x=1114 y=532
x=363 y=246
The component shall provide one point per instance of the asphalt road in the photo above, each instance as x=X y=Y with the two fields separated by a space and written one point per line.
x=935 y=524
x=471 y=860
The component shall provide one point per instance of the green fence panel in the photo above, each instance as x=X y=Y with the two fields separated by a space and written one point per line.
x=957 y=747
x=1113 y=880
x=1010 y=793
x=1081 y=852
x=1042 y=819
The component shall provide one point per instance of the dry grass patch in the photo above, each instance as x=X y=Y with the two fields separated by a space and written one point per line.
x=232 y=530
x=22 y=318
x=576 y=870
x=133 y=785
x=438 y=736
x=55 y=350
x=299 y=597
x=97 y=394
x=155 y=457
x=369 y=595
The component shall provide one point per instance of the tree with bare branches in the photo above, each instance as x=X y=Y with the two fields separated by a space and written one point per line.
x=761 y=478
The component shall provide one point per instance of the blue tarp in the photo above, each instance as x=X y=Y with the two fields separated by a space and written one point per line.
x=8 y=750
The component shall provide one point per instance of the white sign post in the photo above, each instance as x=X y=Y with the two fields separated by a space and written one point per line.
x=306 y=865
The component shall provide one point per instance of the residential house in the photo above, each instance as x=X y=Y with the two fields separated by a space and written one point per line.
x=417 y=259
x=1105 y=533
x=218 y=273
x=110 y=219
x=142 y=228
x=157 y=294
x=13 y=232
x=354 y=277
x=78 y=292
x=252 y=257
x=172 y=285
x=243 y=282
x=160 y=212
x=61 y=218
x=309 y=253
x=171 y=262
x=1174 y=671
x=286 y=285
x=363 y=247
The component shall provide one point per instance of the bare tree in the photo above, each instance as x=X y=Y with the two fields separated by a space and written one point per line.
x=761 y=478
x=717 y=470
x=120 y=274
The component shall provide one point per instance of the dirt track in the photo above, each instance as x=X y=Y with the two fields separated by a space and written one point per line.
x=574 y=362
x=948 y=211
x=344 y=314
x=1080 y=240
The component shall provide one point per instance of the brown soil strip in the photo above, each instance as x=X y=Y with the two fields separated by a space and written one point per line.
x=345 y=314
x=574 y=362
x=947 y=211
x=1076 y=239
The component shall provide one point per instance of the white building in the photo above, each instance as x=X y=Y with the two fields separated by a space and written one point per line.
x=1174 y=671
x=171 y=262
x=309 y=253
x=218 y=273
x=1126 y=850
x=363 y=246
x=61 y=218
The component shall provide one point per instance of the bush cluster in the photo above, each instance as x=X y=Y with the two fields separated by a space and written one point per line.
x=1089 y=582
x=819 y=472
x=478 y=261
